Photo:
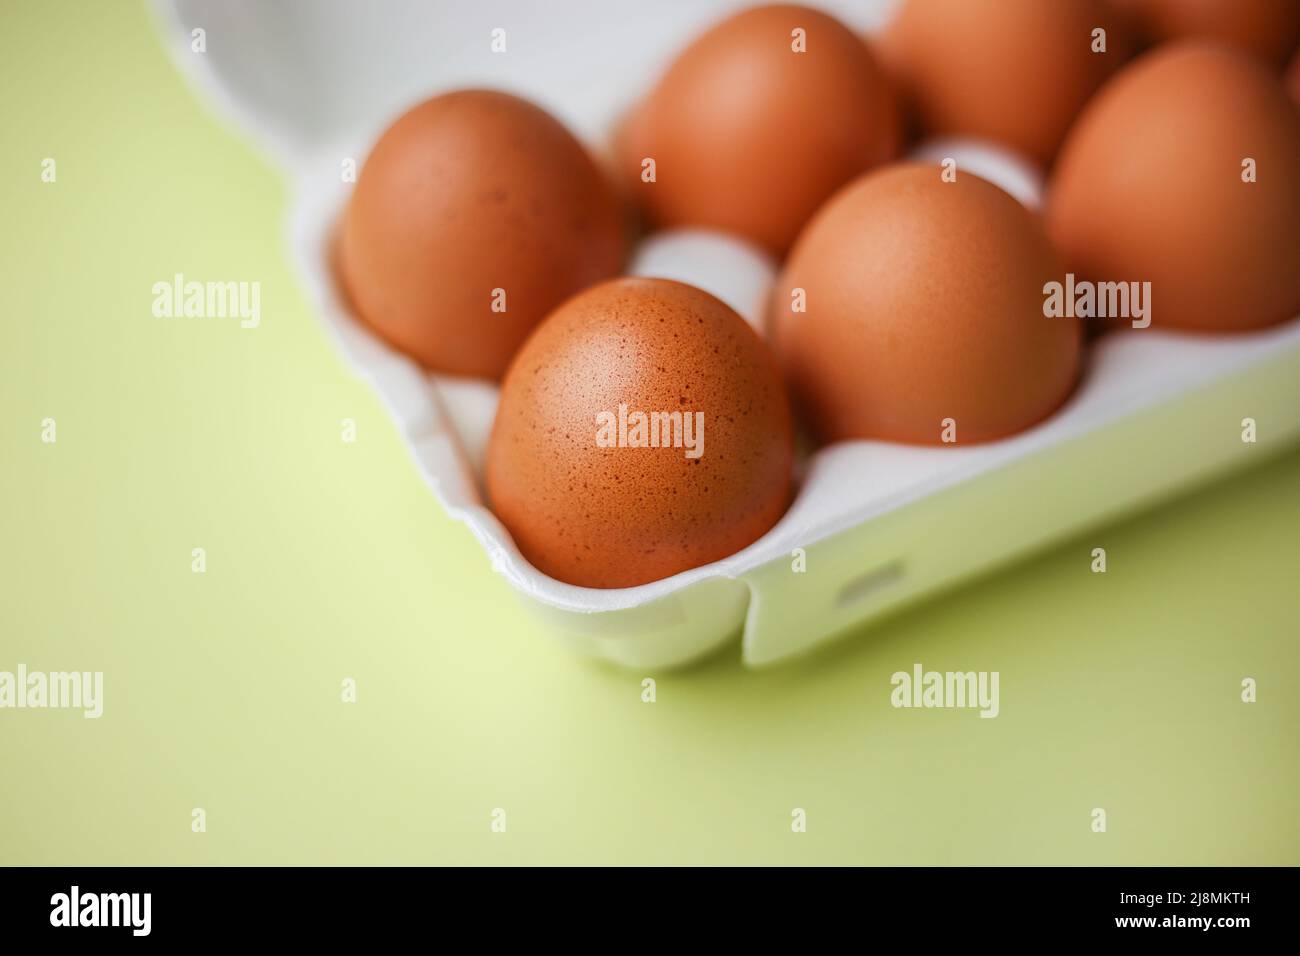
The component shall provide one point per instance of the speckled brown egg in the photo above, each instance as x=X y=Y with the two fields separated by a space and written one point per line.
x=1014 y=71
x=756 y=123
x=643 y=430
x=1268 y=29
x=1152 y=186
x=911 y=310
x=475 y=214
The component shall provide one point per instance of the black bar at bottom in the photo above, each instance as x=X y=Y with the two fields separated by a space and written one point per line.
x=239 y=904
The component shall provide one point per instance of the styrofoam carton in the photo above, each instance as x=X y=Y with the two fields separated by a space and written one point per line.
x=874 y=524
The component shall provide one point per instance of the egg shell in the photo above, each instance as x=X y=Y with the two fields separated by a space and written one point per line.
x=606 y=516
x=1013 y=71
x=923 y=302
x=749 y=135
x=469 y=193
x=1150 y=188
x=1268 y=29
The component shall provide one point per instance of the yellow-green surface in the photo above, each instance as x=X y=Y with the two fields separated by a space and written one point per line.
x=328 y=561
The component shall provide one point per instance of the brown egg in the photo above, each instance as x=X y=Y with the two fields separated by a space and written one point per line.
x=922 y=301
x=1293 y=77
x=474 y=216
x=750 y=135
x=1015 y=71
x=643 y=430
x=1268 y=29
x=1150 y=187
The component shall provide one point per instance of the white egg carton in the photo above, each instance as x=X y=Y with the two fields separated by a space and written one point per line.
x=874 y=525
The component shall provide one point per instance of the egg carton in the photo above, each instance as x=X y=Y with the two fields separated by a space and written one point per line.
x=874 y=525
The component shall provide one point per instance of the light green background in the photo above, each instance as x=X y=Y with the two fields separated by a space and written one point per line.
x=328 y=560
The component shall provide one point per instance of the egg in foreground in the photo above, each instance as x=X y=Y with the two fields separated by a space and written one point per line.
x=643 y=430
